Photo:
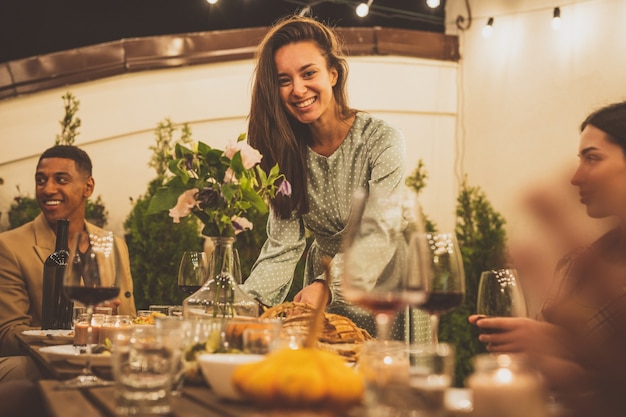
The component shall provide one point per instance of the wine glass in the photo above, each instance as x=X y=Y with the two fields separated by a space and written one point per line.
x=379 y=267
x=91 y=277
x=444 y=277
x=500 y=294
x=192 y=272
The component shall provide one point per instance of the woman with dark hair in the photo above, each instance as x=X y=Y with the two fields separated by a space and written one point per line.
x=301 y=120
x=580 y=337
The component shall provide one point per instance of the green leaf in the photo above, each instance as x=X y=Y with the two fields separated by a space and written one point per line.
x=203 y=148
x=236 y=164
x=257 y=202
x=164 y=199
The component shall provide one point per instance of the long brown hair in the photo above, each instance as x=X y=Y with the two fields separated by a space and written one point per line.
x=276 y=134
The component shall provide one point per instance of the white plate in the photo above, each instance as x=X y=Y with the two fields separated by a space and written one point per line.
x=51 y=337
x=72 y=355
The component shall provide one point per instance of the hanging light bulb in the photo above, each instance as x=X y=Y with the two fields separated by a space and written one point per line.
x=363 y=9
x=211 y=1
x=433 y=4
x=556 y=18
x=488 y=28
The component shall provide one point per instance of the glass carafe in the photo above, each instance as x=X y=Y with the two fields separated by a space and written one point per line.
x=221 y=295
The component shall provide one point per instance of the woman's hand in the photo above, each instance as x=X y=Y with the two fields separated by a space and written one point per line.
x=518 y=334
x=313 y=294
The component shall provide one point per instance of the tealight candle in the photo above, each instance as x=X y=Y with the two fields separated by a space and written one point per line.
x=504 y=386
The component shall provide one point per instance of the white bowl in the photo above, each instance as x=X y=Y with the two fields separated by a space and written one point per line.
x=217 y=370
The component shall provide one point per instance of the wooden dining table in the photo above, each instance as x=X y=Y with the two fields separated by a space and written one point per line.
x=194 y=400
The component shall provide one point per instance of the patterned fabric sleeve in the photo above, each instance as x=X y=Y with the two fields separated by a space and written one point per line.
x=272 y=273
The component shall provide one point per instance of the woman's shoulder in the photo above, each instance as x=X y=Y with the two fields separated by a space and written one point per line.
x=369 y=127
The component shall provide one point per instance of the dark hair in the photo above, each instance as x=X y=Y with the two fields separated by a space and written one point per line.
x=276 y=134
x=80 y=157
x=611 y=120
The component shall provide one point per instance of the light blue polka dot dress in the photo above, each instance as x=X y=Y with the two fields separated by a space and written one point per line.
x=372 y=156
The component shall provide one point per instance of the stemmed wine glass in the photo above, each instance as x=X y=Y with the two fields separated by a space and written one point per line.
x=90 y=278
x=380 y=270
x=193 y=271
x=500 y=295
x=444 y=278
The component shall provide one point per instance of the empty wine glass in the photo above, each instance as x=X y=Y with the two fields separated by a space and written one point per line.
x=500 y=295
x=91 y=277
x=192 y=271
x=379 y=268
x=444 y=278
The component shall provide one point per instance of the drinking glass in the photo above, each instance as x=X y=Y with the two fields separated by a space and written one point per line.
x=90 y=279
x=500 y=294
x=192 y=272
x=444 y=276
x=380 y=270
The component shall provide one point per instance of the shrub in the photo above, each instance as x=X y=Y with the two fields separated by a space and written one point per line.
x=482 y=238
x=156 y=246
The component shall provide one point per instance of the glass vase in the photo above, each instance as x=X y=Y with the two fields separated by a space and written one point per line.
x=221 y=296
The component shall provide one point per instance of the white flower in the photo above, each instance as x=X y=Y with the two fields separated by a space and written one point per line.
x=186 y=201
x=241 y=224
x=249 y=156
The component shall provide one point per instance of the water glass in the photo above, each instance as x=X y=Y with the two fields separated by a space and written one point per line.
x=180 y=327
x=142 y=368
x=406 y=380
x=112 y=326
x=259 y=340
x=380 y=363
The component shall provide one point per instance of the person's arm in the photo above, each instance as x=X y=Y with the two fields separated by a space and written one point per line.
x=14 y=301
x=272 y=273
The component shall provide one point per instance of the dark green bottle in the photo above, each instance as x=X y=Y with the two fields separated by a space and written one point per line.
x=56 y=308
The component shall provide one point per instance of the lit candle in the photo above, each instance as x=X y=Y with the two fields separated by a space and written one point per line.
x=504 y=386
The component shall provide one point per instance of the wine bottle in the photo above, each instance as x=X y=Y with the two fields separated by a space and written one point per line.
x=56 y=308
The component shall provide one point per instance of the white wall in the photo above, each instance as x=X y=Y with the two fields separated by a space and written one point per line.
x=526 y=89
x=119 y=115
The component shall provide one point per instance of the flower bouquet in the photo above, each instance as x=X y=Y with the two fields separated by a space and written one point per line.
x=223 y=189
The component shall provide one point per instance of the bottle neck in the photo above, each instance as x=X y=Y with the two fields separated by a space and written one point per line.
x=62 y=235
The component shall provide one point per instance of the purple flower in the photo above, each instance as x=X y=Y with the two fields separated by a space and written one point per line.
x=207 y=198
x=284 y=188
x=189 y=162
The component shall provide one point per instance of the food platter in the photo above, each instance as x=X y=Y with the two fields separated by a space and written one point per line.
x=72 y=355
x=51 y=337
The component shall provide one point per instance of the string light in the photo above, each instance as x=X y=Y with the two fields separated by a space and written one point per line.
x=556 y=18
x=363 y=9
x=433 y=4
x=488 y=28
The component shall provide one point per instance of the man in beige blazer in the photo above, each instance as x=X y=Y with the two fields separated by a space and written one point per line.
x=63 y=182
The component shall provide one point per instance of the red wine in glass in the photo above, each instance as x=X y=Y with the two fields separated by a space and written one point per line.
x=91 y=295
x=440 y=302
x=500 y=295
x=192 y=271
x=189 y=289
x=91 y=277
